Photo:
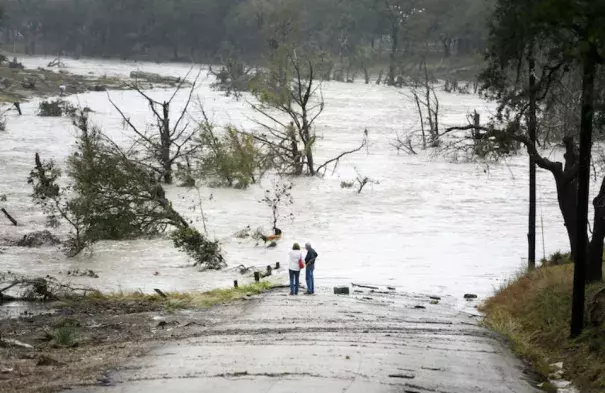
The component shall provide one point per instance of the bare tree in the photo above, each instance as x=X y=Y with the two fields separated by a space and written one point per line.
x=360 y=181
x=405 y=143
x=427 y=103
x=294 y=89
x=167 y=142
x=280 y=195
x=298 y=99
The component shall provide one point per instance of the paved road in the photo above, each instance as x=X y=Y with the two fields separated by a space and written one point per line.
x=361 y=343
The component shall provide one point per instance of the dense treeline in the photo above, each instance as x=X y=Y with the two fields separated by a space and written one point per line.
x=206 y=29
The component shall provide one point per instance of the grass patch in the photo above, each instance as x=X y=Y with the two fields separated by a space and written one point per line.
x=65 y=336
x=177 y=300
x=66 y=323
x=533 y=312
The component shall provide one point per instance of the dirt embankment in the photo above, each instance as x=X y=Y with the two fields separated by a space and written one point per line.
x=80 y=339
x=19 y=84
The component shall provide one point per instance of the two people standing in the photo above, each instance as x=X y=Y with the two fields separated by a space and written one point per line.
x=295 y=265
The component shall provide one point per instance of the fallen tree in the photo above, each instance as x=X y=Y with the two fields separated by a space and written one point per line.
x=37 y=288
x=112 y=196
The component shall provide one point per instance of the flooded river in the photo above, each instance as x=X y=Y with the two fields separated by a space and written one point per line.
x=429 y=226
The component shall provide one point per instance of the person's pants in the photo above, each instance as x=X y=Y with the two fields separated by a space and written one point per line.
x=294 y=281
x=310 y=279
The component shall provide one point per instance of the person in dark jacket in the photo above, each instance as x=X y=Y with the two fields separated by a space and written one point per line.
x=310 y=268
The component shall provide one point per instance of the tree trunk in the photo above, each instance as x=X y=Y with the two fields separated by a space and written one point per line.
x=10 y=218
x=595 y=252
x=580 y=263
x=393 y=60
x=531 y=234
x=298 y=162
x=379 y=80
x=175 y=51
x=166 y=142
x=308 y=141
x=420 y=114
x=567 y=196
x=310 y=163
x=447 y=47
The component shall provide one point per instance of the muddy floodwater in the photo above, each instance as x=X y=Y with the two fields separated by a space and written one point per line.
x=429 y=225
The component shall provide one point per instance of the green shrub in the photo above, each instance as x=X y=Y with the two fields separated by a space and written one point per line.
x=56 y=108
x=233 y=159
x=66 y=323
x=65 y=336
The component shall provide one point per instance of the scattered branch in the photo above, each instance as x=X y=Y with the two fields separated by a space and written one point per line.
x=337 y=159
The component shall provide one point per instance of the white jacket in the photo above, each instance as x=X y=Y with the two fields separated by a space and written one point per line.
x=293 y=257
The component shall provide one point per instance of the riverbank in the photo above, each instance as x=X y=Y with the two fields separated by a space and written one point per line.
x=533 y=312
x=78 y=339
x=23 y=84
x=18 y=85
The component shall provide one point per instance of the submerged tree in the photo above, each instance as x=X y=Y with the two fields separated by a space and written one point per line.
x=110 y=196
x=228 y=157
x=56 y=205
x=292 y=86
x=278 y=197
x=169 y=141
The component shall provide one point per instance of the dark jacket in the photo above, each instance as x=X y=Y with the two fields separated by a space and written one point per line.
x=310 y=258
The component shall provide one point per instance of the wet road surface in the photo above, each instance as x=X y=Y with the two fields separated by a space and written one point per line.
x=326 y=343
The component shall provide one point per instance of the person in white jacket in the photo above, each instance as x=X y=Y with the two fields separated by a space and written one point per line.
x=294 y=259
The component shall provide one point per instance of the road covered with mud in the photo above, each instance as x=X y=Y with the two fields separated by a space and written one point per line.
x=364 y=342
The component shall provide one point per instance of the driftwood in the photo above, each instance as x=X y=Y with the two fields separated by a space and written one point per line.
x=15 y=343
x=242 y=269
x=364 y=286
x=11 y=219
x=39 y=288
x=56 y=63
x=159 y=292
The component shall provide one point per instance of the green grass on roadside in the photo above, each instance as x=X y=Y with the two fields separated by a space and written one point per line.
x=533 y=312
x=178 y=300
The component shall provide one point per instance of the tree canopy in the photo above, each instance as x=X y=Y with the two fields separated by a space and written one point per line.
x=203 y=29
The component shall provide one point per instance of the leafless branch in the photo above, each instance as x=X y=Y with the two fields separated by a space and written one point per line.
x=340 y=156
